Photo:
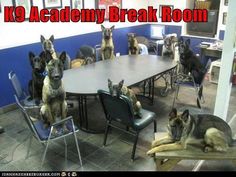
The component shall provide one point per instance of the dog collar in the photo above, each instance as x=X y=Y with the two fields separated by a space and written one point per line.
x=44 y=73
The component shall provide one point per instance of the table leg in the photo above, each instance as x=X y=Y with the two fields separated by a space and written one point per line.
x=83 y=116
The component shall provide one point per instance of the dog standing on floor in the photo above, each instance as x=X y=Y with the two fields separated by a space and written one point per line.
x=107 y=47
x=205 y=130
x=133 y=44
x=120 y=89
x=47 y=45
x=54 y=104
x=35 y=85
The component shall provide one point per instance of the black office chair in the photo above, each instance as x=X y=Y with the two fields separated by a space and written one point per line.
x=98 y=54
x=151 y=45
x=119 y=109
x=87 y=53
x=189 y=81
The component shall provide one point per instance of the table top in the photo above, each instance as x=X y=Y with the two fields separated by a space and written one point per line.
x=86 y=80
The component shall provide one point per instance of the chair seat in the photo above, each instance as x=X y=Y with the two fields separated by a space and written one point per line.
x=147 y=118
x=186 y=83
x=27 y=102
x=44 y=132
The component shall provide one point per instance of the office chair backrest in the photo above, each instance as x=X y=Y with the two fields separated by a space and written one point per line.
x=86 y=51
x=117 y=108
x=98 y=54
x=27 y=117
x=16 y=84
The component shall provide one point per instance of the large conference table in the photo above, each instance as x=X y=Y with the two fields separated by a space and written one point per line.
x=86 y=80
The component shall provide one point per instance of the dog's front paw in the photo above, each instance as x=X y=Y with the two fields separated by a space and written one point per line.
x=151 y=152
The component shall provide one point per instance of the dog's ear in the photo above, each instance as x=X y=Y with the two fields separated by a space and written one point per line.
x=103 y=27
x=42 y=38
x=42 y=55
x=121 y=83
x=31 y=57
x=51 y=38
x=181 y=39
x=173 y=113
x=109 y=83
x=62 y=57
x=112 y=28
x=47 y=56
x=185 y=115
x=163 y=35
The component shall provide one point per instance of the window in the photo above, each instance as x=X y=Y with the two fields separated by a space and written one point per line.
x=157 y=31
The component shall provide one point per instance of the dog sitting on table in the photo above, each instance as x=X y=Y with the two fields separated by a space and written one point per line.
x=107 y=47
x=38 y=64
x=47 y=45
x=120 y=89
x=53 y=93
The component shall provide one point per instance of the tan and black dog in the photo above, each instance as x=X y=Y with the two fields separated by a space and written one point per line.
x=38 y=64
x=208 y=131
x=54 y=104
x=47 y=45
x=107 y=47
x=133 y=44
x=120 y=89
x=168 y=49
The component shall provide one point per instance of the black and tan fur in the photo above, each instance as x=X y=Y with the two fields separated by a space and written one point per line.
x=168 y=49
x=120 y=89
x=107 y=47
x=133 y=44
x=54 y=103
x=38 y=64
x=47 y=45
x=208 y=131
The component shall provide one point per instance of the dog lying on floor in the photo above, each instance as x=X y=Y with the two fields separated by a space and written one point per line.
x=209 y=131
x=120 y=89
x=107 y=47
x=47 y=45
x=35 y=85
x=133 y=44
x=190 y=62
x=54 y=104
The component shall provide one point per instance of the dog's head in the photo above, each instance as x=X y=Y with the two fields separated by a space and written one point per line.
x=177 y=124
x=47 y=44
x=55 y=67
x=107 y=32
x=168 y=41
x=131 y=37
x=37 y=62
x=115 y=89
x=184 y=46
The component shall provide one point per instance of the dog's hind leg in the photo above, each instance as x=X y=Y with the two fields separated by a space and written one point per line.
x=46 y=114
x=215 y=140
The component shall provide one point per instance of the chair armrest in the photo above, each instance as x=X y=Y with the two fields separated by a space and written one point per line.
x=62 y=121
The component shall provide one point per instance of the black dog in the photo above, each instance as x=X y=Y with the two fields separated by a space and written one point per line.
x=35 y=86
x=190 y=62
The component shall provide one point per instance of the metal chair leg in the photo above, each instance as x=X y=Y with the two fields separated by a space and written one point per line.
x=28 y=148
x=45 y=151
x=106 y=133
x=134 y=147
x=155 y=126
x=77 y=146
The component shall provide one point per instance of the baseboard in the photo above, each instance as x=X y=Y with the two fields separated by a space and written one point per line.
x=8 y=108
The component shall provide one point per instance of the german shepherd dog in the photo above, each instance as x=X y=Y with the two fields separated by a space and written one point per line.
x=133 y=44
x=169 y=46
x=107 y=48
x=47 y=45
x=190 y=62
x=54 y=104
x=35 y=85
x=208 y=131
x=120 y=89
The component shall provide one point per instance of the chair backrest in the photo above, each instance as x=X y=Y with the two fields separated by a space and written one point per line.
x=16 y=84
x=117 y=108
x=143 y=40
x=86 y=51
x=27 y=118
x=98 y=54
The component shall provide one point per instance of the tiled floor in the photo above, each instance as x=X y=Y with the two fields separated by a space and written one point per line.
x=116 y=155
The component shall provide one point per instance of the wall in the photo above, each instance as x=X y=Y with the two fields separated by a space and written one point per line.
x=17 y=39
